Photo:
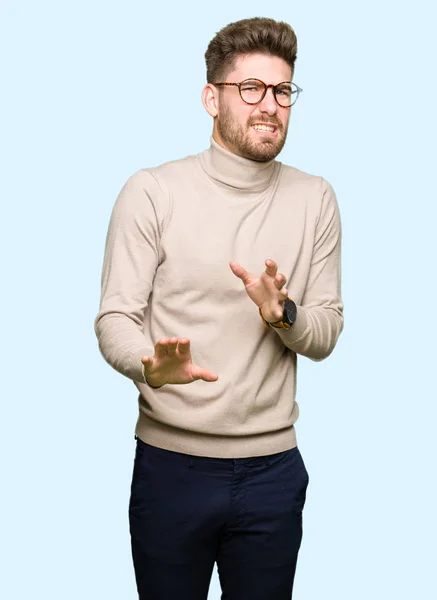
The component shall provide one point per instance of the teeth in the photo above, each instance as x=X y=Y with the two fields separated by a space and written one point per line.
x=263 y=128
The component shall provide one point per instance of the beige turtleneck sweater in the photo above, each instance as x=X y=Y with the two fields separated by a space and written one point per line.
x=172 y=232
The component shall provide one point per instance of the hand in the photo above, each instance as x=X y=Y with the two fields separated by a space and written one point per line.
x=172 y=364
x=264 y=290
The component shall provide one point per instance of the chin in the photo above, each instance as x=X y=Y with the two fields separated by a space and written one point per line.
x=263 y=151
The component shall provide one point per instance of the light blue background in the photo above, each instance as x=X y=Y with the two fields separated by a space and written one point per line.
x=84 y=105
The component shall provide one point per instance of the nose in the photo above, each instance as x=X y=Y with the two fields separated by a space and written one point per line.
x=268 y=104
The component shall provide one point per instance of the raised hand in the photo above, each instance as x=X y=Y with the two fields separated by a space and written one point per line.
x=266 y=290
x=172 y=363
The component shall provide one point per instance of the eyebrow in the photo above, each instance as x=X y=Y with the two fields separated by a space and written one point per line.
x=258 y=79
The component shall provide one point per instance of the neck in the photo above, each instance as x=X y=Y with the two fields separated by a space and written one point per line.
x=229 y=169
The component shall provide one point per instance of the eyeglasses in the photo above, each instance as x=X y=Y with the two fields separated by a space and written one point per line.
x=252 y=91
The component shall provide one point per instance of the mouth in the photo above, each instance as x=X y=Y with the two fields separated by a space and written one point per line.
x=265 y=128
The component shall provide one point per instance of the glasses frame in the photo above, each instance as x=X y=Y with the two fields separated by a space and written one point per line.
x=266 y=87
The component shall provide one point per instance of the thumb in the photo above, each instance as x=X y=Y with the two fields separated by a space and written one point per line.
x=204 y=375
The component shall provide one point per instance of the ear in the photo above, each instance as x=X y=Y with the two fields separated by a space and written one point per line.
x=210 y=99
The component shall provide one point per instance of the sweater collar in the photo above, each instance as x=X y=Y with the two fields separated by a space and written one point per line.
x=234 y=171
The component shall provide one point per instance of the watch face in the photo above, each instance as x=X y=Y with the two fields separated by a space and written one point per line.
x=290 y=312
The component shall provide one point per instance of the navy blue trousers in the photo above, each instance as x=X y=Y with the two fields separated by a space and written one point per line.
x=187 y=513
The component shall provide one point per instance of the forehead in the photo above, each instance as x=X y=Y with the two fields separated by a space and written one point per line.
x=270 y=69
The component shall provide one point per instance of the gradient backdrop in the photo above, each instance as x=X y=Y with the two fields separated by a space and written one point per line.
x=85 y=103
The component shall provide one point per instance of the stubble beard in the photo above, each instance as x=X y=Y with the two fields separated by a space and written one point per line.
x=237 y=138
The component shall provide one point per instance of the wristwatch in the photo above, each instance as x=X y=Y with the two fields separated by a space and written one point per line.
x=288 y=316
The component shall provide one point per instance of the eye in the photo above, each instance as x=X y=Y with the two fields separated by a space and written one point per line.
x=251 y=86
x=284 y=91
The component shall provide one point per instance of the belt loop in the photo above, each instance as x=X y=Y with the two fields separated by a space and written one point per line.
x=267 y=460
x=190 y=462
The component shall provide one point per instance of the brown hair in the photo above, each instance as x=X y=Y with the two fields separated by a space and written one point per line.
x=261 y=35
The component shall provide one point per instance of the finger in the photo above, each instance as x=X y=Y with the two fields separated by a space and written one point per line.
x=172 y=345
x=241 y=272
x=284 y=293
x=209 y=377
x=205 y=375
x=147 y=364
x=161 y=348
x=278 y=310
x=280 y=280
x=184 y=346
x=271 y=267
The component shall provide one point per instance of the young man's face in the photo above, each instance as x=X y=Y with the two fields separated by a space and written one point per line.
x=235 y=120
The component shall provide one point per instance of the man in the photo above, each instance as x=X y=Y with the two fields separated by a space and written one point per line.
x=210 y=343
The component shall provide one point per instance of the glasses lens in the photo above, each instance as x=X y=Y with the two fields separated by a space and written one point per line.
x=286 y=94
x=252 y=90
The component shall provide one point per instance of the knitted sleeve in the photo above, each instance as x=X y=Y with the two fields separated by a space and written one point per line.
x=131 y=257
x=319 y=319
